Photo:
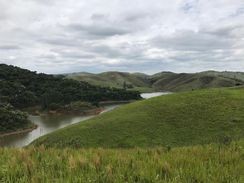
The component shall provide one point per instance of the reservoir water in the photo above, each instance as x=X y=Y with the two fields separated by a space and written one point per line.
x=155 y=94
x=49 y=123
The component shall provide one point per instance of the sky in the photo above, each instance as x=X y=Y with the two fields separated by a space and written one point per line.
x=64 y=36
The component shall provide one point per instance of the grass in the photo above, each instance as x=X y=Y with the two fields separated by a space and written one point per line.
x=115 y=79
x=215 y=163
x=138 y=143
x=187 y=82
x=183 y=119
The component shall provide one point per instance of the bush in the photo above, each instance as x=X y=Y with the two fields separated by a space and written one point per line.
x=79 y=106
x=11 y=119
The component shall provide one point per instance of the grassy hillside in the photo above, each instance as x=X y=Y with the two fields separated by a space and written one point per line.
x=162 y=81
x=208 y=164
x=185 y=82
x=226 y=74
x=135 y=81
x=182 y=119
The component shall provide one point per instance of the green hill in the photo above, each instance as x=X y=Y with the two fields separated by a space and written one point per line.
x=183 y=119
x=185 y=82
x=162 y=81
x=136 y=81
x=227 y=74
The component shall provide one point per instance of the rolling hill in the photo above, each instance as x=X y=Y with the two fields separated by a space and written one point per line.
x=136 y=81
x=184 y=82
x=162 y=81
x=182 y=119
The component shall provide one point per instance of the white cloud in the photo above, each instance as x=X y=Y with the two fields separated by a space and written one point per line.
x=140 y=35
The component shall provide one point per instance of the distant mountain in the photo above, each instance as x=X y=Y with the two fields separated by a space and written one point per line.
x=162 y=81
x=115 y=79
x=185 y=81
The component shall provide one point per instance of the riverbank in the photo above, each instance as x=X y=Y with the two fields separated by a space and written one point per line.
x=36 y=110
x=33 y=127
x=47 y=124
x=39 y=112
x=49 y=121
x=116 y=102
x=94 y=111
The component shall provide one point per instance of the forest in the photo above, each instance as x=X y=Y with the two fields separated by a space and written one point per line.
x=12 y=120
x=22 y=88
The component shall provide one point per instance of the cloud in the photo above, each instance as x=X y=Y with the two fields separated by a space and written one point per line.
x=63 y=36
x=98 y=30
x=193 y=41
x=9 y=47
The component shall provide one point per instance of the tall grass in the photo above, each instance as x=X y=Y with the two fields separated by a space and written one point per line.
x=197 y=164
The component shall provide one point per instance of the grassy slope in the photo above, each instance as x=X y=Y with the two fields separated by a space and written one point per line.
x=113 y=79
x=163 y=81
x=227 y=74
x=185 y=82
x=208 y=164
x=190 y=118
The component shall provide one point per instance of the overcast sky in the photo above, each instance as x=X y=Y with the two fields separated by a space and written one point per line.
x=61 y=36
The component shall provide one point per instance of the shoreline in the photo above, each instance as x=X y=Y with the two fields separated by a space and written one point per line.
x=94 y=111
x=83 y=113
x=117 y=102
x=19 y=131
x=63 y=112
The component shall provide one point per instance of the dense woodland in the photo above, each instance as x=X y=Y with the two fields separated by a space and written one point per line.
x=23 y=88
x=11 y=119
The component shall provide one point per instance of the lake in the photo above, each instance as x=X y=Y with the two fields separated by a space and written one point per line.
x=49 y=123
x=155 y=94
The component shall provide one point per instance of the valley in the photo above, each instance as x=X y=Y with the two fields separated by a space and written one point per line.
x=197 y=123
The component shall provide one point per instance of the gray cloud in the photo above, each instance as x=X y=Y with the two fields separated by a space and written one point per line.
x=9 y=47
x=66 y=36
x=99 y=30
x=193 y=41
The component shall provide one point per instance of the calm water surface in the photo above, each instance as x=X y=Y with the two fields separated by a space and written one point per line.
x=155 y=94
x=50 y=123
x=46 y=124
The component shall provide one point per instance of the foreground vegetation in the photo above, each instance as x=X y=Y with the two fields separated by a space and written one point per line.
x=200 y=164
x=191 y=118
